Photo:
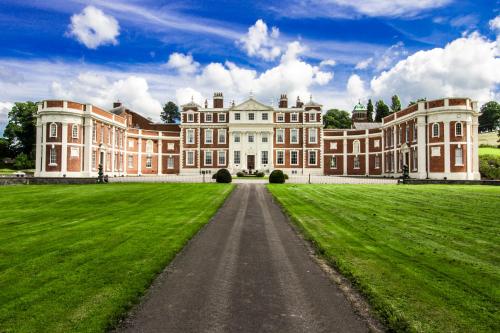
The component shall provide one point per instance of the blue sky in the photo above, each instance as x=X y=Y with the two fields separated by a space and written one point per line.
x=148 y=52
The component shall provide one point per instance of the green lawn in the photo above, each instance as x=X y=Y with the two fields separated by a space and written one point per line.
x=426 y=256
x=75 y=258
x=489 y=151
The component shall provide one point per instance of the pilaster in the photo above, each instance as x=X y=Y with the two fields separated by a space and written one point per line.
x=447 y=148
x=64 y=149
x=422 y=147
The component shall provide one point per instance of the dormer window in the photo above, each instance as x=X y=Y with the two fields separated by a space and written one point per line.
x=53 y=130
x=208 y=117
x=280 y=117
x=222 y=117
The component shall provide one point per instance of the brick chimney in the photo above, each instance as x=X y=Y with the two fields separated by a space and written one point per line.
x=218 y=100
x=283 y=101
x=117 y=104
x=299 y=104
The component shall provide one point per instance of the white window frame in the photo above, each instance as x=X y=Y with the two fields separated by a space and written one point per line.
x=149 y=162
x=237 y=116
x=221 y=154
x=294 y=117
x=149 y=147
x=130 y=161
x=434 y=127
x=265 y=116
x=356 y=162
x=190 y=131
x=296 y=130
x=237 y=137
x=377 y=162
x=264 y=157
x=415 y=132
x=170 y=162
x=52 y=156
x=221 y=117
x=333 y=162
x=356 y=147
x=278 y=131
x=74 y=131
x=190 y=117
x=53 y=130
x=296 y=157
x=315 y=137
x=312 y=153
x=312 y=117
x=461 y=161
x=251 y=116
x=278 y=153
x=280 y=117
x=461 y=129
x=190 y=156
x=209 y=117
x=209 y=139
x=223 y=133
x=237 y=157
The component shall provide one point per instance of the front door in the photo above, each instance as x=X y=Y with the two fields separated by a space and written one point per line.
x=250 y=162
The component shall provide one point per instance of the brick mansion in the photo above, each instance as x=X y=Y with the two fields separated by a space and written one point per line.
x=436 y=139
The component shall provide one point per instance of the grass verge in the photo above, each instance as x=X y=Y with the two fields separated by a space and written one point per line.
x=489 y=151
x=75 y=258
x=426 y=257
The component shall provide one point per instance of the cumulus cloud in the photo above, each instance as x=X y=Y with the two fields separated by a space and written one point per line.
x=495 y=27
x=363 y=64
x=467 y=66
x=93 y=28
x=355 y=89
x=188 y=94
x=327 y=62
x=183 y=63
x=101 y=91
x=5 y=107
x=261 y=43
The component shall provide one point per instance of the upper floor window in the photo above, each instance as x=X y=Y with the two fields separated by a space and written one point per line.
x=458 y=129
x=74 y=131
x=190 y=136
x=222 y=117
x=280 y=117
x=149 y=147
x=102 y=134
x=313 y=135
x=208 y=117
x=250 y=138
x=435 y=130
x=222 y=136
x=355 y=147
x=237 y=116
x=407 y=133
x=415 y=132
x=53 y=130
x=294 y=135
x=236 y=137
x=94 y=132
x=264 y=138
x=280 y=136
x=251 y=116
x=294 y=117
x=190 y=117
x=265 y=116
x=312 y=116
x=208 y=136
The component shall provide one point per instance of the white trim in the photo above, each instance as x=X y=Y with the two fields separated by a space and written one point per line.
x=51 y=134
x=297 y=160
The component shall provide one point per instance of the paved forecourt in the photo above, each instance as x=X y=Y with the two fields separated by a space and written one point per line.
x=246 y=271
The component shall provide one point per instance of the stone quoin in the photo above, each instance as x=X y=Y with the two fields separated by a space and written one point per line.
x=435 y=139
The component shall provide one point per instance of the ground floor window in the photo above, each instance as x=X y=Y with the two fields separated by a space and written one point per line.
x=130 y=161
x=264 y=157
x=356 y=162
x=377 y=162
x=237 y=157
x=312 y=157
x=294 y=157
x=222 y=158
x=208 y=158
x=280 y=157
x=52 y=156
x=170 y=162
x=94 y=159
x=190 y=158
x=459 y=156
x=108 y=161
x=149 y=162
x=415 y=159
x=333 y=162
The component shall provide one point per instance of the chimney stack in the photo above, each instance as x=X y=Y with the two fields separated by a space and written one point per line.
x=299 y=104
x=283 y=101
x=117 y=104
x=218 y=100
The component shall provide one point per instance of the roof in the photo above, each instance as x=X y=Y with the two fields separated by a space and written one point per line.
x=251 y=105
x=190 y=105
x=359 y=107
x=311 y=103
x=364 y=126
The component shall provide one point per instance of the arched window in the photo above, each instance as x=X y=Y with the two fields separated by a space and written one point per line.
x=74 y=131
x=149 y=147
x=53 y=130
x=458 y=129
x=435 y=130
x=355 y=147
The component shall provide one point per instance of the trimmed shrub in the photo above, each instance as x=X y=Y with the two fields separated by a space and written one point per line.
x=259 y=174
x=286 y=176
x=277 y=177
x=214 y=176
x=489 y=166
x=223 y=176
x=240 y=174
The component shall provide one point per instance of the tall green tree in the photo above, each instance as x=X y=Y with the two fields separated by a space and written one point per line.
x=369 y=110
x=381 y=110
x=335 y=118
x=395 y=103
x=489 y=119
x=5 y=148
x=20 y=131
x=170 y=113
x=418 y=100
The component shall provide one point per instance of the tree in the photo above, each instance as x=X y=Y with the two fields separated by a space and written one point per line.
x=369 y=110
x=170 y=113
x=335 y=118
x=418 y=100
x=5 y=148
x=381 y=111
x=396 y=104
x=23 y=162
x=20 y=131
x=489 y=119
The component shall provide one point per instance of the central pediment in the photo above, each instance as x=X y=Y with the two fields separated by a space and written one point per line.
x=251 y=105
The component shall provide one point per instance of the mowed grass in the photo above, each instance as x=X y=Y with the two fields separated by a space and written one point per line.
x=489 y=151
x=74 y=258
x=426 y=256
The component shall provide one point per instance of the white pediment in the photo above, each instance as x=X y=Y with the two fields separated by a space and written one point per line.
x=251 y=105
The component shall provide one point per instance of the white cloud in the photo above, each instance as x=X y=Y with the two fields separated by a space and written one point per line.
x=186 y=95
x=355 y=89
x=259 y=42
x=327 y=62
x=467 y=66
x=363 y=64
x=390 y=56
x=5 y=107
x=184 y=63
x=93 y=28
x=99 y=90
x=495 y=24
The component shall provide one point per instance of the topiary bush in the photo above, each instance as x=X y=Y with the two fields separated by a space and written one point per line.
x=240 y=174
x=286 y=176
x=259 y=174
x=214 y=176
x=223 y=176
x=489 y=166
x=277 y=177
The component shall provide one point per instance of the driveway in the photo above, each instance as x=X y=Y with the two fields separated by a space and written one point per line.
x=246 y=271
